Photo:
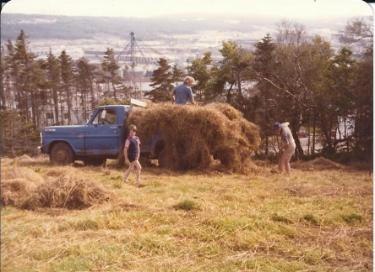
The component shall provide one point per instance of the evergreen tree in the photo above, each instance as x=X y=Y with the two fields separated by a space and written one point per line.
x=9 y=75
x=110 y=69
x=263 y=67
x=235 y=66
x=3 y=80
x=29 y=79
x=177 y=74
x=23 y=60
x=53 y=74
x=66 y=69
x=39 y=86
x=84 y=81
x=364 y=106
x=340 y=94
x=201 y=71
x=162 y=79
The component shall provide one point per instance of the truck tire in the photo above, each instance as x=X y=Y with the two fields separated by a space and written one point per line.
x=61 y=154
x=94 y=161
x=145 y=160
x=166 y=161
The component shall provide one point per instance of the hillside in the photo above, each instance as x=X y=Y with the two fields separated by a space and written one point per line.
x=317 y=220
x=79 y=27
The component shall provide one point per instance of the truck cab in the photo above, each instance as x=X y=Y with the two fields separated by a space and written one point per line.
x=100 y=138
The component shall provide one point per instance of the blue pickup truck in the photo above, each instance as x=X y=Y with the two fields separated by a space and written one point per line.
x=100 y=138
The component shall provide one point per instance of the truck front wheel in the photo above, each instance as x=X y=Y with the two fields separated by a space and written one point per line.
x=61 y=154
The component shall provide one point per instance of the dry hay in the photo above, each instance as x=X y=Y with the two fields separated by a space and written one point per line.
x=194 y=136
x=17 y=182
x=13 y=192
x=319 y=163
x=66 y=192
x=13 y=171
x=25 y=158
x=24 y=188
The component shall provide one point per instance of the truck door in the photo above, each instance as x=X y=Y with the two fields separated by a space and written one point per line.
x=102 y=136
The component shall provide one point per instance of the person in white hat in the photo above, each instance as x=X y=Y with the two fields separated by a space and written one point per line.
x=183 y=94
x=288 y=146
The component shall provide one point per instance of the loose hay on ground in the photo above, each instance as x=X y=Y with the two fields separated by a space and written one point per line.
x=13 y=192
x=319 y=163
x=17 y=182
x=194 y=136
x=24 y=188
x=66 y=192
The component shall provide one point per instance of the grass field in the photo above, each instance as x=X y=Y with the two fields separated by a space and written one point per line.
x=312 y=221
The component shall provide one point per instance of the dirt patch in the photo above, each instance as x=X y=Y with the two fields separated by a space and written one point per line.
x=319 y=163
x=193 y=137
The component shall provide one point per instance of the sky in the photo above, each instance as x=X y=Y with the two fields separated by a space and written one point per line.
x=293 y=9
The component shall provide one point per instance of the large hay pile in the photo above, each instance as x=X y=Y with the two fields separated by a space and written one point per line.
x=23 y=188
x=194 y=136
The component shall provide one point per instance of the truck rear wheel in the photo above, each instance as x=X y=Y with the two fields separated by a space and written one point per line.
x=61 y=154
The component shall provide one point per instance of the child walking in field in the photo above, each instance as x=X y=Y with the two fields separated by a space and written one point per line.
x=132 y=152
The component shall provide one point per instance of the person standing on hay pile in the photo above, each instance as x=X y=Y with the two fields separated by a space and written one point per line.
x=183 y=94
x=288 y=146
x=132 y=152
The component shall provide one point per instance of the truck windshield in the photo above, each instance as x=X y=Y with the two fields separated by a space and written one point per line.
x=105 y=117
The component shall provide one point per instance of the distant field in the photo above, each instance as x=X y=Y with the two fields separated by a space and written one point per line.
x=317 y=220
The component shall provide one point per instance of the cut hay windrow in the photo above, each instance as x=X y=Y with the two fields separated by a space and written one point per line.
x=28 y=190
x=66 y=192
x=319 y=163
x=193 y=136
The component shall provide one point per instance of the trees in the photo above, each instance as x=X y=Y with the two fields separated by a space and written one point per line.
x=3 y=81
x=200 y=70
x=29 y=79
x=110 y=68
x=292 y=77
x=84 y=83
x=263 y=66
x=53 y=78
x=17 y=135
x=38 y=86
x=363 y=82
x=357 y=35
x=66 y=70
x=161 y=79
x=21 y=63
x=235 y=66
x=177 y=74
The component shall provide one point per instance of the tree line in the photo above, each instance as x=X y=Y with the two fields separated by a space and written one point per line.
x=297 y=78
x=58 y=90
x=291 y=76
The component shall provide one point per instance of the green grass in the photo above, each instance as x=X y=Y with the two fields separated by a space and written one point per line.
x=186 y=205
x=352 y=218
x=311 y=221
